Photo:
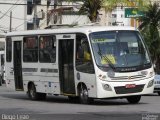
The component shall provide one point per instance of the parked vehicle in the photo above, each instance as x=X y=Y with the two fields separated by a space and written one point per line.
x=157 y=84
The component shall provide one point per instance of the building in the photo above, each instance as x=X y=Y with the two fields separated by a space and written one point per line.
x=118 y=17
x=115 y=17
x=16 y=15
x=12 y=17
x=41 y=14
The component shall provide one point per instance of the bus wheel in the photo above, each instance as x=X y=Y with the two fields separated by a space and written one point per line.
x=83 y=96
x=134 y=99
x=158 y=93
x=32 y=94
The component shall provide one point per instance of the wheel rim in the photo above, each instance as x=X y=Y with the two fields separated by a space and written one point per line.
x=84 y=95
x=32 y=91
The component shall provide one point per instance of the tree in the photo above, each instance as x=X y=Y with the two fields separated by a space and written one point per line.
x=150 y=29
x=92 y=7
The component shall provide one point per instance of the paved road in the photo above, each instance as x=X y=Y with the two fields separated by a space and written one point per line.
x=17 y=106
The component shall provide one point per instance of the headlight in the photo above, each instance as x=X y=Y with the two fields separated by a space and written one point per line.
x=106 y=87
x=111 y=73
x=150 y=84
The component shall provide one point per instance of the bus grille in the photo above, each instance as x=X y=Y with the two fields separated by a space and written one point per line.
x=124 y=90
x=127 y=77
x=156 y=89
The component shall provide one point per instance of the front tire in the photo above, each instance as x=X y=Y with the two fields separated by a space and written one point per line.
x=134 y=99
x=83 y=95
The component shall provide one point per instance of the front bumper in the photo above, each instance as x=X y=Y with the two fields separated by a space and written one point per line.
x=157 y=88
x=119 y=88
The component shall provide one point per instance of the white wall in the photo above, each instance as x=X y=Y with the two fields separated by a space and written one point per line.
x=78 y=19
x=71 y=19
x=18 y=16
x=120 y=19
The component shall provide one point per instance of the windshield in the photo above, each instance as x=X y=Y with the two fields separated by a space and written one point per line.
x=120 y=50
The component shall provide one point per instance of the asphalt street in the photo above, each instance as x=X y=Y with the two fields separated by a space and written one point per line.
x=17 y=106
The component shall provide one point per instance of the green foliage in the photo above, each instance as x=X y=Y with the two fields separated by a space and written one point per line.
x=150 y=30
x=92 y=7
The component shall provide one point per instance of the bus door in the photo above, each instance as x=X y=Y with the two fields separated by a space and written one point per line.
x=17 y=63
x=66 y=62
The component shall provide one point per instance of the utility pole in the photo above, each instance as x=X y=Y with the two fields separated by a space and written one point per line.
x=55 y=7
x=35 y=15
x=60 y=13
x=10 y=25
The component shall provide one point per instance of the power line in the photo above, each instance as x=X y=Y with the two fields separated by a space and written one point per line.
x=16 y=5
x=53 y=5
x=8 y=10
x=13 y=17
x=36 y=4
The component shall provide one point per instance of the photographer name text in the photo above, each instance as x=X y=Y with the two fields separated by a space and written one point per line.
x=15 y=117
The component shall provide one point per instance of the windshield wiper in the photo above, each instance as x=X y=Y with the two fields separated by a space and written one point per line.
x=107 y=59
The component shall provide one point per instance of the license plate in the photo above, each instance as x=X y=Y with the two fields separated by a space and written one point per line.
x=130 y=85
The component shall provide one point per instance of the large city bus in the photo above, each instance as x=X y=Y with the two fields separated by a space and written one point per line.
x=84 y=63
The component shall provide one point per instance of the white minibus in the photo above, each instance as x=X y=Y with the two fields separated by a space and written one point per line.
x=90 y=62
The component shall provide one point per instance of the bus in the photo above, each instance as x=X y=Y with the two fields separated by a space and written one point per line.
x=2 y=70
x=84 y=63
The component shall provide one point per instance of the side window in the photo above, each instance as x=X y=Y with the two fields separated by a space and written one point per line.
x=29 y=7
x=47 y=49
x=30 y=49
x=8 y=49
x=84 y=61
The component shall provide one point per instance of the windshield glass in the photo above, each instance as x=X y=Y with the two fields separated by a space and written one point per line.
x=122 y=50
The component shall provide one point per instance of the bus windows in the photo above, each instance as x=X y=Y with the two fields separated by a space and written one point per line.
x=30 y=49
x=8 y=49
x=47 y=49
x=83 y=55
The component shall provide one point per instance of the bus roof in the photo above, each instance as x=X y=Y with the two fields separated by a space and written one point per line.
x=84 y=29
